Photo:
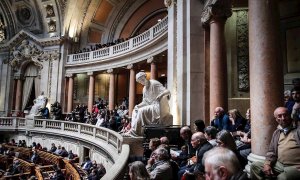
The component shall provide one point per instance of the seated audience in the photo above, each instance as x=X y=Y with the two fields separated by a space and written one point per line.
x=283 y=157
x=35 y=157
x=199 y=125
x=71 y=155
x=183 y=156
x=58 y=150
x=237 y=121
x=221 y=120
x=137 y=171
x=164 y=140
x=101 y=170
x=87 y=164
x=158 y=166
x=53 y=148
x=222 y=163
x=200 y=143
x=225 y=139
x=210 y=133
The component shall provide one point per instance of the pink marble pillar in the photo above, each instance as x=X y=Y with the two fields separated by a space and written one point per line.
x=111 y=96
x=70 y=93
x=218 y=65
x=213 y=18
x=91 y=91
x=19 y=91
x=266 y=72
x=131 y=89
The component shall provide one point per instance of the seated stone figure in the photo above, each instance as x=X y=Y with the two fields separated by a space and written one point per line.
x=154 y=109
x=39 y=103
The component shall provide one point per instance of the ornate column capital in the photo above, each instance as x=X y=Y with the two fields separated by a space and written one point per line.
x=110 y=71
x=130 y=66
x=90 y=73
x=215 y=9
x=168 y=3
x=150 y=60
x=69 y=75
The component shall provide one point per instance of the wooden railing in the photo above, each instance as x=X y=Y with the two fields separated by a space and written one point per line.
x=99 y=137
x=122 y=48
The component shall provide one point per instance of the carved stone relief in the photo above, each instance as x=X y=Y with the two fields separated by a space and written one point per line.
x=242 y=50
x=30 y=52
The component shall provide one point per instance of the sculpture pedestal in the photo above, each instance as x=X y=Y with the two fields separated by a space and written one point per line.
x=136 y=145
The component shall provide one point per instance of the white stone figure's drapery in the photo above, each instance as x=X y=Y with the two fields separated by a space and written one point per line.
x=31 y=76
x=152 y=110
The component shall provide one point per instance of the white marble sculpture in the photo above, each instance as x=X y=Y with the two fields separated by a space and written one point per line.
x=39 y=103
x=153 y=110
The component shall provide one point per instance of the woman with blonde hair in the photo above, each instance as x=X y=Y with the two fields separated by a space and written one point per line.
x=138 y=171
x=237 y=121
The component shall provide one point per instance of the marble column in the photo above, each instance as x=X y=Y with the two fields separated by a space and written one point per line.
x=266 y=72
x=19 y=91
x=215 y=15
x=153 y=73
x=111 y=96
x=70 y=93
x=91 y=91
x=132 y=89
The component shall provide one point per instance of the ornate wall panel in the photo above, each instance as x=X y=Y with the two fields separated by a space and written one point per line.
x=242 y=50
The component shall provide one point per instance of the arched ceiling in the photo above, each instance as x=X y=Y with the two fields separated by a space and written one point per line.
x=86 y=21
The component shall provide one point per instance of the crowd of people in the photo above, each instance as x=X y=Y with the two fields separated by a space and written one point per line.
x=99 y=46
x=116 y=120
x=220 y=151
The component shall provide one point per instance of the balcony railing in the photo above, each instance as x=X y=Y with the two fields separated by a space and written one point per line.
x=107 y=139
x=122 y=48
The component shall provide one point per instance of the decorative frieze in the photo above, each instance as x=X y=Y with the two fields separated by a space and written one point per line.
x=215 y=9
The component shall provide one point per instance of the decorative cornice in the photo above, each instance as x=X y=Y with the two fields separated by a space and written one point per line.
x=216 y=9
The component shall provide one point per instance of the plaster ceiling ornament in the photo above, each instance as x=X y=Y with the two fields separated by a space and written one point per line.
x=50 y=11
x=2 y=31
x=215 y=9
x=52 y=26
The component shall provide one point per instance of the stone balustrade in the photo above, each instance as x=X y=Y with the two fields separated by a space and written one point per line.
x=149 y=43
x=102 y=138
